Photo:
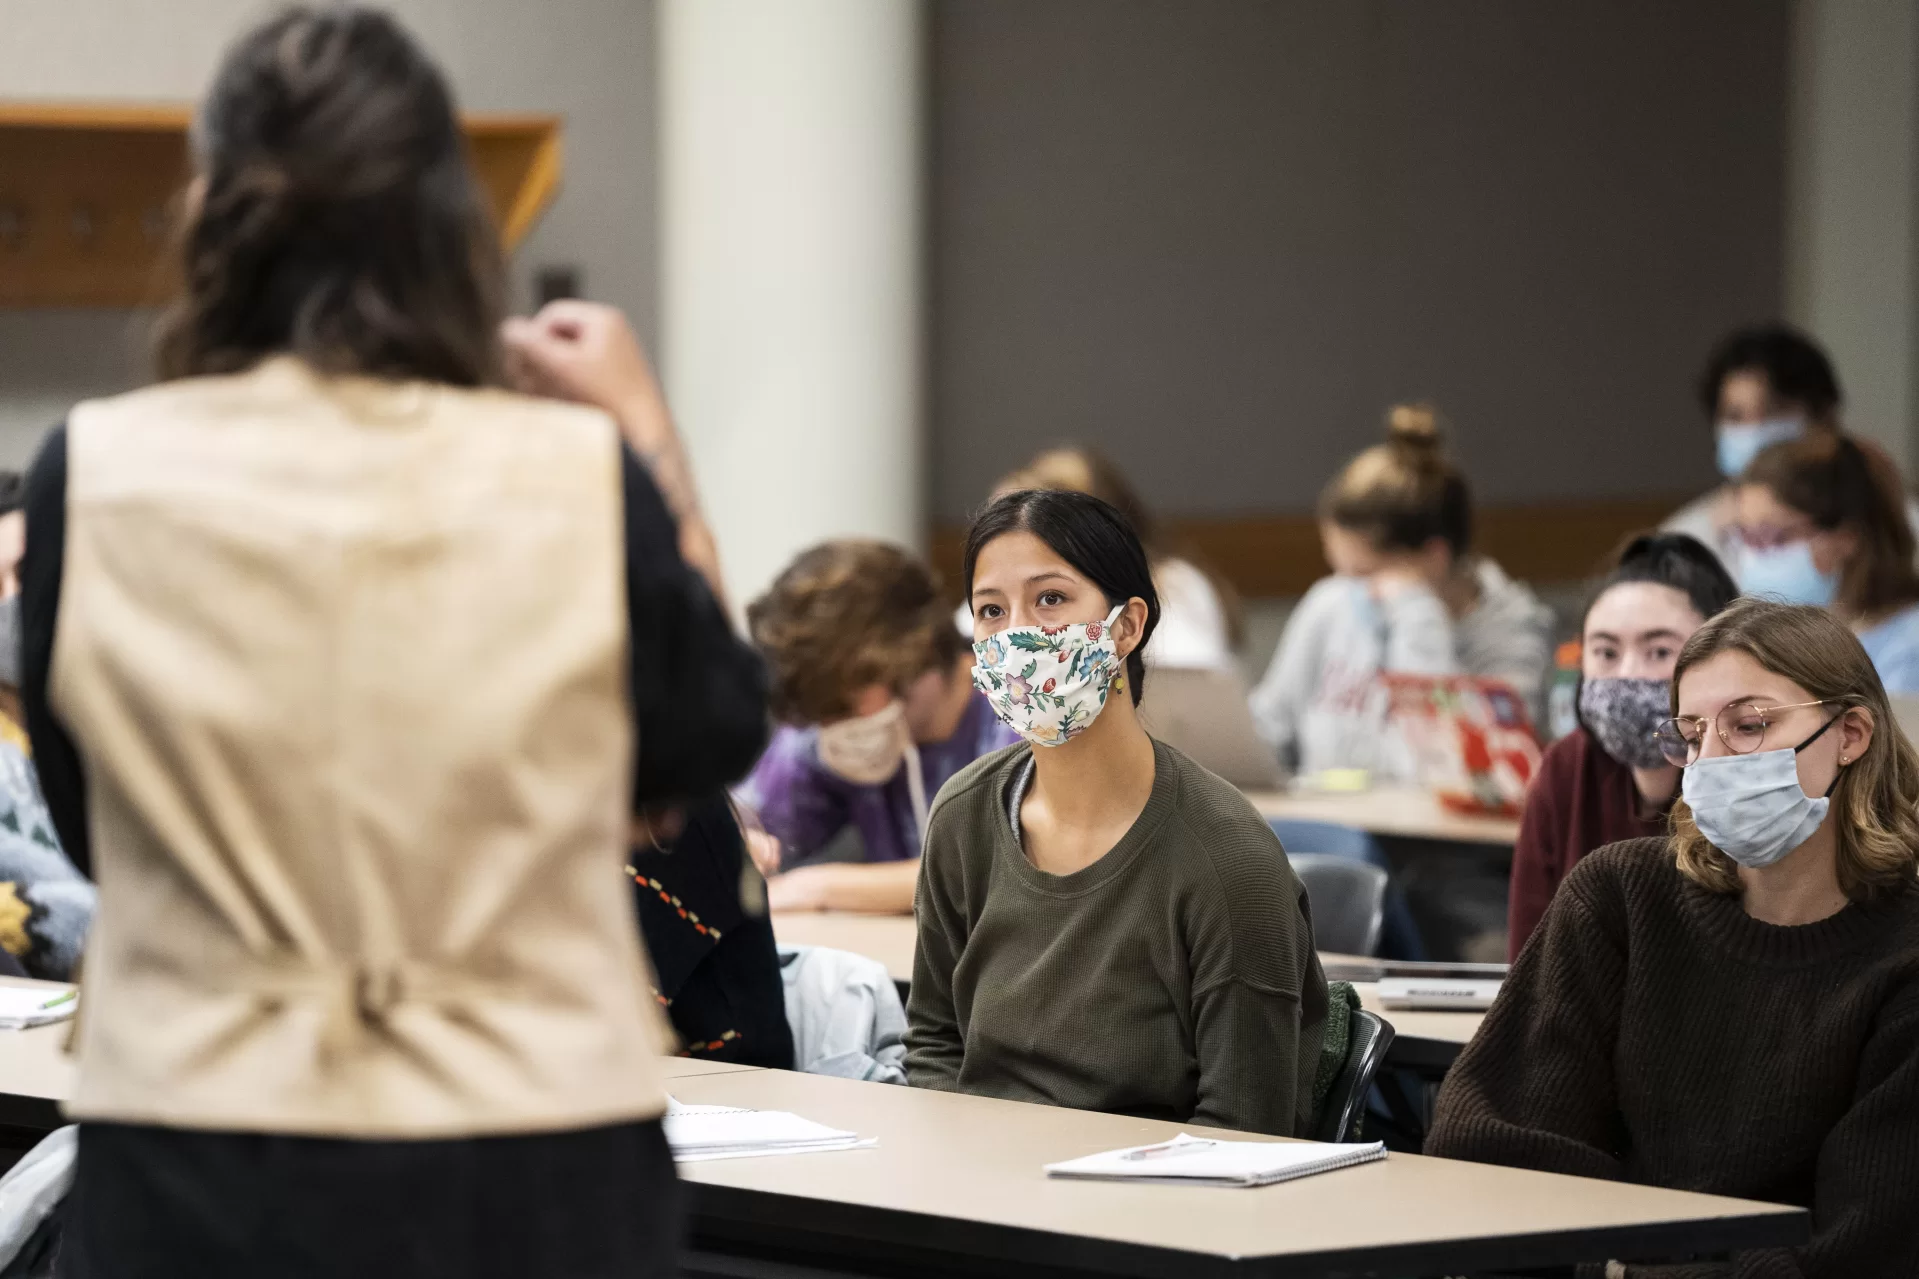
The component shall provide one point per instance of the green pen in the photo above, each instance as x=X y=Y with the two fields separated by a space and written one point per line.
x=57 y=1000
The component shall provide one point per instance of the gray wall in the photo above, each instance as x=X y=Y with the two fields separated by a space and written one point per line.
x=1217 y=237
x=589 y=60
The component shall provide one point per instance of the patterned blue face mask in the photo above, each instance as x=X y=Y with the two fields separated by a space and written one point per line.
x=1741 y=442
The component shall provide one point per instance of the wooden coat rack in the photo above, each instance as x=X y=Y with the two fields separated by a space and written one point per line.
x=87 y=195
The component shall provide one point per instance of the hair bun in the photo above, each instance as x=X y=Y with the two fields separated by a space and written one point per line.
x=1414 y=428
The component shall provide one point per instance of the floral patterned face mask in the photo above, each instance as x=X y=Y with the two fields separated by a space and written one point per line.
x=1048 y=683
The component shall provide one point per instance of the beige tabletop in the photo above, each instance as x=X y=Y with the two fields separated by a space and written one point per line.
x=978 y=1160
x=887 y=938
x=693 y=1068
x=35 y=1069
x=1386 y=810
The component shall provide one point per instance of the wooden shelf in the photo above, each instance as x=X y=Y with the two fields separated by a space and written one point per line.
x=88 y=192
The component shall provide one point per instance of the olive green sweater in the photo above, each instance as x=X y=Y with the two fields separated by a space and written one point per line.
x=1174 y=978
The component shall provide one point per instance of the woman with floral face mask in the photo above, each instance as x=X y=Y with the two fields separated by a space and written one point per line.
x=877 y=693
x=1102 y=923
x=1606 y=780
x=1734 y=1009
x=1822 y=521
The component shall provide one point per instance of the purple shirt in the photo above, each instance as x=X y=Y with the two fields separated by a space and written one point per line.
x=806 y=806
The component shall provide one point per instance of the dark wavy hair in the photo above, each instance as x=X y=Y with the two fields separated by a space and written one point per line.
x=1794 y=366
x=334 y=215
x=1088 y=534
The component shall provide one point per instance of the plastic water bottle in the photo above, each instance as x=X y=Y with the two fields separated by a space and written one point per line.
x=1562 y=701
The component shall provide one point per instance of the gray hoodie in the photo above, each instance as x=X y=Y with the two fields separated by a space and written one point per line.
x=1321 y=704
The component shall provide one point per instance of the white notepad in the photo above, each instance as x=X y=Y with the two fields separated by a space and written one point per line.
x=730 y=1132
x=24 y=1006
x=1439 y=993
x=1206 y=1162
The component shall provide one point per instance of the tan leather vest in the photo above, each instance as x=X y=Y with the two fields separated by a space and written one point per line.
x=344 y=660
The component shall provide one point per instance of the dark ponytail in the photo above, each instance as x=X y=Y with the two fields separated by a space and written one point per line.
x=1676 y=560
x=1088 y=534
x=337 y=218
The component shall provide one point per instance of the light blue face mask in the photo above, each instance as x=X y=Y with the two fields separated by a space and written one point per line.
x=1751 y=807
x=1786 y=573
x=1741 y=442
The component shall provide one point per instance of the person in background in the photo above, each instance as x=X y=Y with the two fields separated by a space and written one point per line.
x=1820 y=521
x=347 y=669
x=1762 y=385
x=1102 y=923
x=1607 y=780
x=1407 y=595
x=1734 y=1010
x=1200 y=624
x=46 y=903
x=876 y=693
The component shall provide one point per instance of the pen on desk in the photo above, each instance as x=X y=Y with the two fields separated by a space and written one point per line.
x=1168 y=1148
x=57 y=1000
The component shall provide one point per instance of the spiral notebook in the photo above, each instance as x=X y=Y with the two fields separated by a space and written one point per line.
x=1203 y=1161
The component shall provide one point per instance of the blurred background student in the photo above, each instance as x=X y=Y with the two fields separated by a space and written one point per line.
x=1607 y=780
x=1200 y=624
x=875 y=688
x=1407 y=595
x=1821 y=521
x=1763 y=384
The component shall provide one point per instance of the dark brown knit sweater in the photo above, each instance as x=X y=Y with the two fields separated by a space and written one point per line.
x=1654 y=1032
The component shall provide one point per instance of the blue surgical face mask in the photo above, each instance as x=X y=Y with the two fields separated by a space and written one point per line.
x=1751 y=807
x=1741 y=442
x=1786 y=573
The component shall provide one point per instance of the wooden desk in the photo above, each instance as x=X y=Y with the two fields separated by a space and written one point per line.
x=891 y=939
x=955 y=1187
x=1421 y=1040
x=676 y=1068
x=36 y=1073
x=1405 y=812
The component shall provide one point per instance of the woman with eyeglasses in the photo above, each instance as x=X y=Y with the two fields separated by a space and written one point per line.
x=1734 y=1009
x=1823 y=521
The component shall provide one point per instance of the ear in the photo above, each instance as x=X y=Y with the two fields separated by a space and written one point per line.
x=1130 y=627
x=1855 y=729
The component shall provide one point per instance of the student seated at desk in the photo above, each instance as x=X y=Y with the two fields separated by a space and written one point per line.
x=1607 y=780
x=876 y=690
x=1407 y=596
x=1199 y=622
x=1822 y=521
x=1735 y=1009
x=1102 y=923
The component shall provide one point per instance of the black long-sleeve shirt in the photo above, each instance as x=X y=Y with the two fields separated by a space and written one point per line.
x=698 y=691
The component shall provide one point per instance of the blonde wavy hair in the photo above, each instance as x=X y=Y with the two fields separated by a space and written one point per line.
x=1876 y=800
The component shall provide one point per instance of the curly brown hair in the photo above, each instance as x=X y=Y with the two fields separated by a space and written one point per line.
x=844 y=616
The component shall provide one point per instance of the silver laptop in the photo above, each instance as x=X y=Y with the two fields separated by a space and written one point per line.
x=1203 y=714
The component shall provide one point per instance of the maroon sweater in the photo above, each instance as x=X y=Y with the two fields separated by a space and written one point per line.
x=1656 y=1033
x=1582 y=799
